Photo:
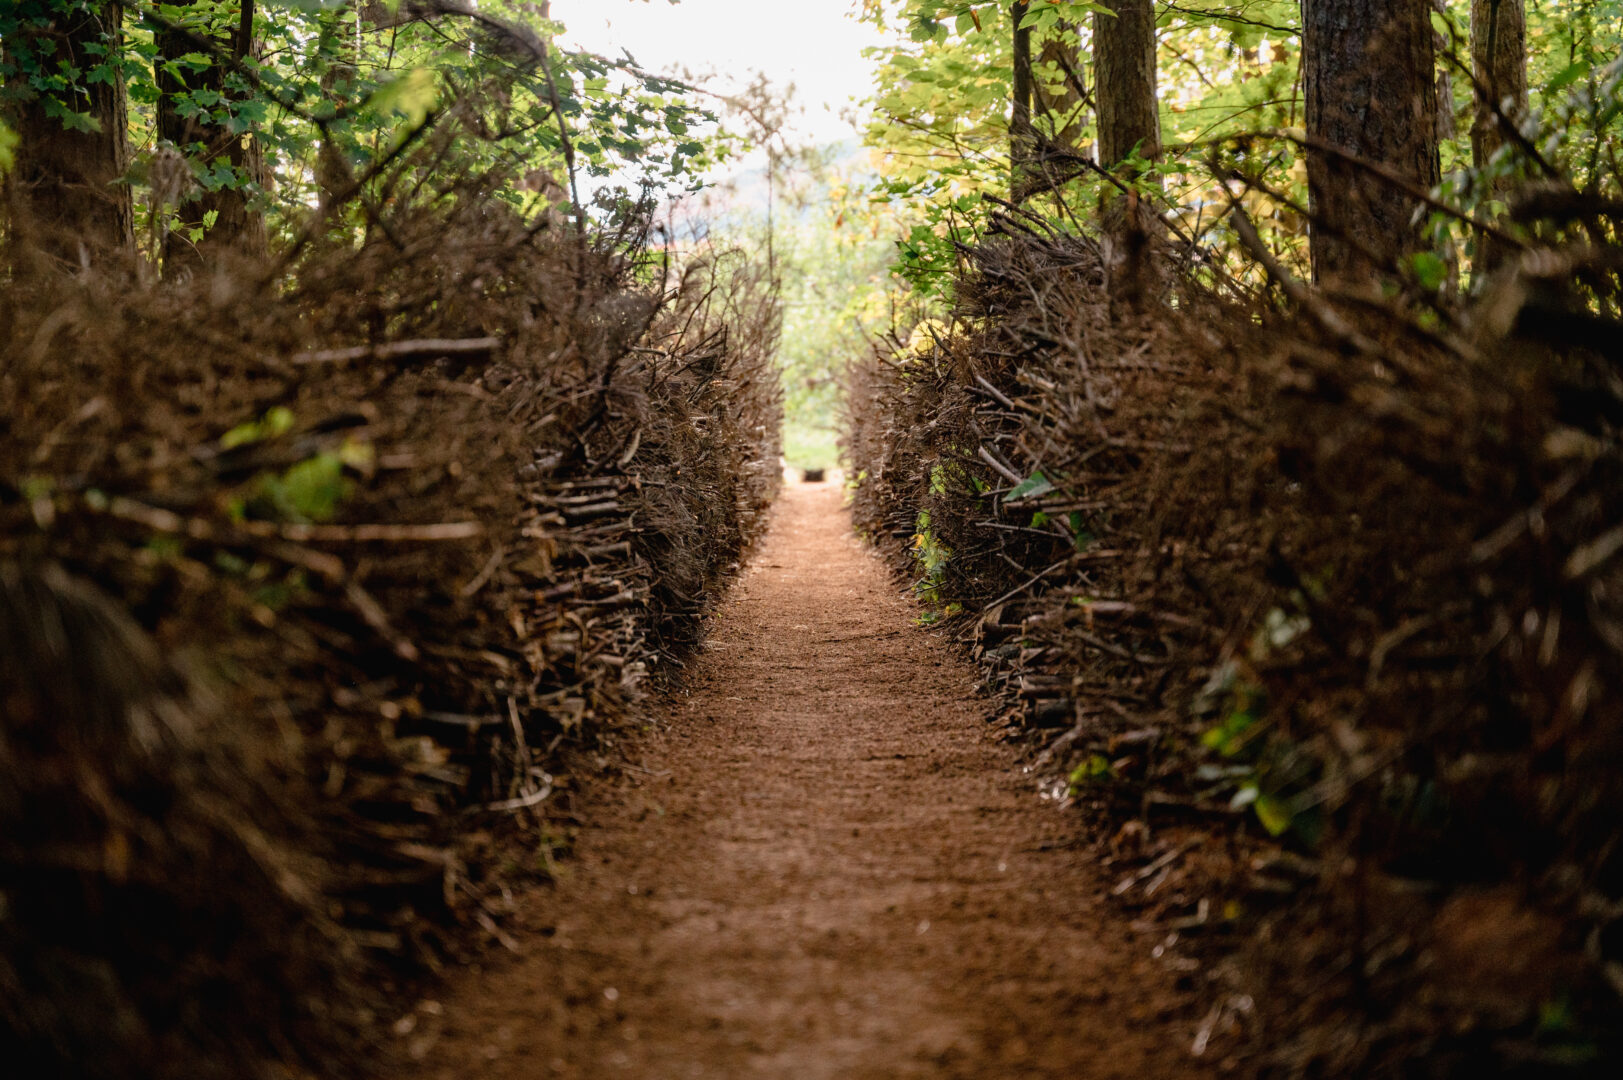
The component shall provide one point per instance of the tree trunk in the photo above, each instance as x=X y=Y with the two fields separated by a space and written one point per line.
x=1499 y=62
x=66 y=199
x=1124 y=79
x=1060 y=101
x=206 y=143
x=1368 y=67
x=1129 y=127
x=1020 y=140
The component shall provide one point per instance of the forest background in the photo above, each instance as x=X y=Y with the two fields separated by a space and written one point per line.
x=935 y=139
x=1260 y=445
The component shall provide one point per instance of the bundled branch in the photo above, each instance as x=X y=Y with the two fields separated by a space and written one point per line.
x=317 y=597
x=1315 y=605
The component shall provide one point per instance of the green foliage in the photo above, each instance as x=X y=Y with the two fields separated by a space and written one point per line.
x=308 y=492
x=1278 y=780
x=809 y=444
x=1032 y=487
x=832 y=257
x=1094 y=769
x=930 y=556
x=1429 y=269
x=943 y=112
x=277 y=421
x=36 y=68
x=331 y=95
x=1229 y=86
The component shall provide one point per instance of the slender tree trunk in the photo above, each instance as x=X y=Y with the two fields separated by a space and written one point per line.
x=1368 y=67
x=1061 y=103
x=1124 y=77
x=66 y=199
x=1020 y=138
x=207 y=143
x=1499 y=61
x=1129 y=127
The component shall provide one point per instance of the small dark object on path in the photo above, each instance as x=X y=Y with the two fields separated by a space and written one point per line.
x=811 y=476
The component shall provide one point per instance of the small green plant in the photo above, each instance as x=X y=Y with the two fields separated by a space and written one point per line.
x=276 y=421
x=307 y=492
x=1095 y=769
x=931 y=556
x=1237 y=734
x=1275 y=778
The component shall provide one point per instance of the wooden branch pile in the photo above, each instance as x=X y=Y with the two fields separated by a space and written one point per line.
x=1288 y=591
x=317 y=597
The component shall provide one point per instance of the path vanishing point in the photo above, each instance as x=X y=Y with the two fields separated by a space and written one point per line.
x=825 y=868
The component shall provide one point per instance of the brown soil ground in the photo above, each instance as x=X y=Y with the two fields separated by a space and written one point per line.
x=824 y=867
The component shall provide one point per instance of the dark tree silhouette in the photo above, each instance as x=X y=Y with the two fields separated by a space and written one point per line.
x=1499 y=63
x=67 y=200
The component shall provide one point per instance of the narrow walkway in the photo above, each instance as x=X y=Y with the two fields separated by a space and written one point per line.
x=830 y=871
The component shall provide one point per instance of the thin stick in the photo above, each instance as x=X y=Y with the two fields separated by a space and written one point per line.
x=994 y=391
x=1002 y=469
x=402 y=350
x=1012 y=593
x=365 y=534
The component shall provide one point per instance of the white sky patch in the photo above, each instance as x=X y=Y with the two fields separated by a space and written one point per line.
x=816 y=44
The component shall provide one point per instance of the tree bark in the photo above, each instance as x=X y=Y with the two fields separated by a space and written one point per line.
x=1124 y=79
x=1499 y=62
x=1020 y=138
x=205 y=143
x=67 y=201
x=1062 y=104
x=1129 y=127
x=1368 y=67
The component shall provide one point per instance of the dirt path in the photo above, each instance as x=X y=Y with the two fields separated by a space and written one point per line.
x=831 y=871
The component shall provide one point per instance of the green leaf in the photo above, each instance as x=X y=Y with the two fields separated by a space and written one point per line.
x=1429 y=269
x=1237 y=732
x=1094 y=769
x=1031 y=487
x=309 y=491
x=276 y=421
x=1568 y=76
x=1275 y=814
x=78 y=121
x=411 y=95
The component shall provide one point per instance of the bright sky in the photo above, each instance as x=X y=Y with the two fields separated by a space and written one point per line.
x=815 y=44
